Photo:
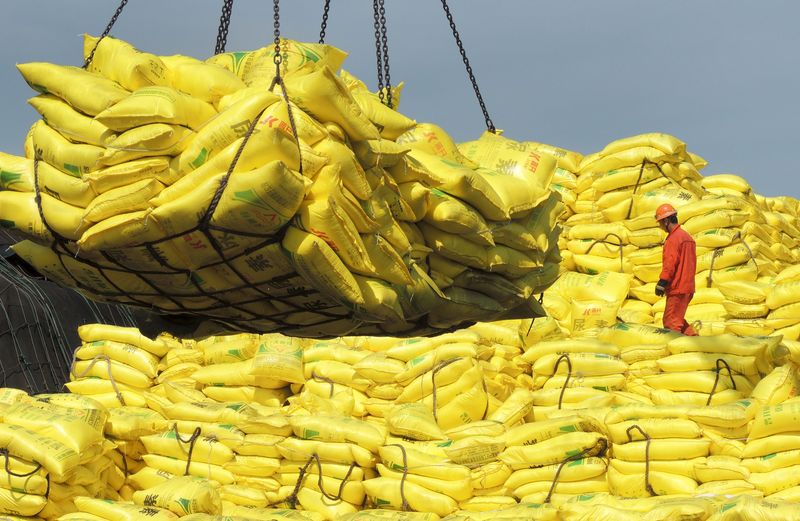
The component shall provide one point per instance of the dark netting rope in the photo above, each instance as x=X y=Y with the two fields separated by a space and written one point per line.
x=600 y=448
x=191 y=441
x=647 y=484
x=719 y=363
x=292 y=499
x=7 y=457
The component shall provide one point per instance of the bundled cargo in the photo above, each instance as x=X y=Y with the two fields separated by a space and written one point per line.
x=189 y=187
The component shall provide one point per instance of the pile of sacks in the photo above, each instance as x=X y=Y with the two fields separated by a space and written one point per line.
x=502 y=419
x=744 y=240
x=337 y=215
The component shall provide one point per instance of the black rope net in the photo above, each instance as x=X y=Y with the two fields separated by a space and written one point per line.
x=38 y=324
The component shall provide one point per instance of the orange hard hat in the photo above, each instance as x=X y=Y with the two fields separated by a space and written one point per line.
x=664 y=211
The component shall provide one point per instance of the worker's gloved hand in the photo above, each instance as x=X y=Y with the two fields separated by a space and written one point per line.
x=661 y=287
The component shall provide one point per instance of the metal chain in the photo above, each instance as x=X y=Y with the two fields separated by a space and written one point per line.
x=276 y=24
x=378 y=54
x=385 y=48
x=324 y=26
x=111 y=23
x=489 y=124
x=224 y=23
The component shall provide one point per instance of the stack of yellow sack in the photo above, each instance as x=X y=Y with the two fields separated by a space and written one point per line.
x=554 y=459
x=706 y=370
x=574 y=374
x=53 y=450
x=361 y=221
x=582 y=303
x=210 y=438
x=497 y=152
x=783 y=301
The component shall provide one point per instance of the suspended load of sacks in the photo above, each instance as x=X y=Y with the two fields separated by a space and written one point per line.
x=336 y=215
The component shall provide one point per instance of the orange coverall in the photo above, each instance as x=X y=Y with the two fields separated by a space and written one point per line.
x=679 y=261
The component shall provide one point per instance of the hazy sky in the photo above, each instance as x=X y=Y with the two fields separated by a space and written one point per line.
x=722 y=75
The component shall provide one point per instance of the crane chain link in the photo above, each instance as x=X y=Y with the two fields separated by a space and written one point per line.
x=489 y=124
x=276 y=24
x=111 y=23
x=224 y=23
x=324 y=26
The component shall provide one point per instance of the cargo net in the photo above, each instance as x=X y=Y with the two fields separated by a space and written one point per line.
x=296 y=202
x=37 y=329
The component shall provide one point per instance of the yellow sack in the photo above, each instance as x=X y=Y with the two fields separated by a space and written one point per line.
x=257 y=67
x=69 y=122
x=16 y=173
x=432 y=139
x=453 y=216
x=497 y=196
x=124 y=335
x=413 y=420
x=504 y=155
x=729 y=181
x=663 y=483
x=297 y=449
x=783 y=294
x=662 y=449
x=178 y=467
x=223 y=130
x=578 y=470
x=18 y=503
x=325 y=96
x=387 y=491
x=206 y=449
x=554 y=450
x=279 y=357
x=82 y=431
x=119 y=511
x=102 y=366
x=74 y=159
x=131 y=355
x=318 y=263
x=158 y=104
x=123 y=174
x=182 y=495
x=339 y=430
x=56 y=457
x=390 y=123
x=85 y=91
x=245 y=205
x=154 y=139
x=119 y=61
x=133 y=422
x=206 y=81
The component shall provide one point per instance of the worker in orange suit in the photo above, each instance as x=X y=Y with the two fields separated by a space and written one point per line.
x=679 y=261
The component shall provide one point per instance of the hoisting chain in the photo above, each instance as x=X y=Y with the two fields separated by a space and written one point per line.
x=224 y=23
x=382 y=52
x=111 y=23
x=489 y=123
x=324 y=25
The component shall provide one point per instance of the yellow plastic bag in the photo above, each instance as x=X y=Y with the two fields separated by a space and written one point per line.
x=206 y=81
x=119 y=61
x=17 y=175
x=182 y=495
x=157 y=104
x=75 y=159
x=85 y=91
x=69 y=122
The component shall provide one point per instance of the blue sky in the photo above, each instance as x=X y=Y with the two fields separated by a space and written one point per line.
x=722 y=75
